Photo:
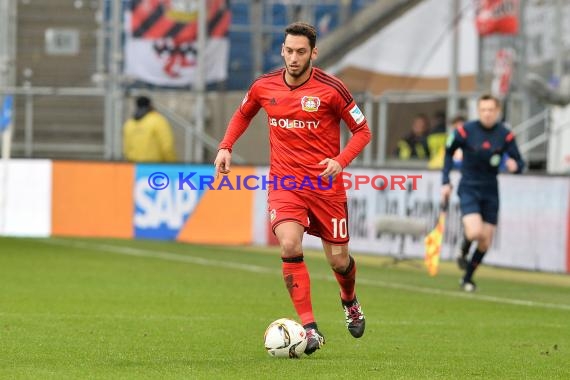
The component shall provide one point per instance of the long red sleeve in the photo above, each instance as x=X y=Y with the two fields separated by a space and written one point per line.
x=241 y=119
x=236 y=127
x=360 y=138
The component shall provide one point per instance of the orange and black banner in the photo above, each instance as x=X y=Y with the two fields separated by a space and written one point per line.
x=158 y=19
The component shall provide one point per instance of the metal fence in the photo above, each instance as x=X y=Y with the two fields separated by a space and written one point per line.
x=97 y=103
x=390 y=117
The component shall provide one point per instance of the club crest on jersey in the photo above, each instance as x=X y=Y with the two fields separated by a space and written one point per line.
x=310 y=103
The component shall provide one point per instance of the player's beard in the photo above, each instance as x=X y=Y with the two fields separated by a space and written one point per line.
x=302 y=71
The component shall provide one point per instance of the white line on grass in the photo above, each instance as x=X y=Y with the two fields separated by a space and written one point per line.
x=200 y=318
x=164 y=255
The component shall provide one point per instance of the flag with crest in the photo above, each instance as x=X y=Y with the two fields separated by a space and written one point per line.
x=161 y=41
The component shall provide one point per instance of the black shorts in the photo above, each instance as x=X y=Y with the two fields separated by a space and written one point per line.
x=480 y=199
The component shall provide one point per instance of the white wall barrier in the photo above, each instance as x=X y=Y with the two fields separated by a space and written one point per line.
x=25 y=197
x=533 y=231
x=533 y=227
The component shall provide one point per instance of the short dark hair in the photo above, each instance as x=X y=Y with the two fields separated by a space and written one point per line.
x=422 y=116
x=458 y=119
x=489 y=97
x=303 y=29
x=143 y=101
x=439 y=114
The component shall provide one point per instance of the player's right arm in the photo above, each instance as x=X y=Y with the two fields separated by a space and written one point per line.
x=239 y=122
x=223 y=161
x=455 y=140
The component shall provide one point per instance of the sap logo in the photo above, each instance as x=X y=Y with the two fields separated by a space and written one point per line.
x=157 y=207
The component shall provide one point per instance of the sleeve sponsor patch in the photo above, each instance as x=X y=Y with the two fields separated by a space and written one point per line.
x=357 y=114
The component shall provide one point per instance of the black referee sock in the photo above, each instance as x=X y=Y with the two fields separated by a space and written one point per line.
x=465 y=246
x=473 y=264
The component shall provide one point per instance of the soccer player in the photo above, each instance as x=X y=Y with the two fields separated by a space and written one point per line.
x=483 y=143
x=304 y=107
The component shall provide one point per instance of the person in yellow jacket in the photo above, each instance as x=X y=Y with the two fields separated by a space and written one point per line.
x=436 y=161
x=414 y=145
x=437 y=139
x=147 y=136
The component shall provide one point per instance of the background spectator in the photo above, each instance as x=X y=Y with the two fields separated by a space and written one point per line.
x=415 y=145
x=148 y=135
x=436 y=140
x=436 y=159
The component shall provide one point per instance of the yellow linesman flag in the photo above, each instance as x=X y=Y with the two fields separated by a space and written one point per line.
x=433 y=245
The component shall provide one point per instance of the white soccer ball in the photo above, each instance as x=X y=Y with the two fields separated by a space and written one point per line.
x=285 y=338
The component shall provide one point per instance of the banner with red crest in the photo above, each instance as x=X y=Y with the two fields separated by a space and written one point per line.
x=497 y=17
x=161 y=41
x=502 y=72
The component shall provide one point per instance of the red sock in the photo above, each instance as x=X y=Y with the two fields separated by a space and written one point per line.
x=298 y=284
x=346 y=281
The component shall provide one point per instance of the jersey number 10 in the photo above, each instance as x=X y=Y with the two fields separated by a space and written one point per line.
x=339 y=228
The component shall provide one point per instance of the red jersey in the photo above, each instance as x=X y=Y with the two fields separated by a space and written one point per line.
x=304 y=129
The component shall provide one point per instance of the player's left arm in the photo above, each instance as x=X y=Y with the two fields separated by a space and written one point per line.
x=515 y=163
x=361 y=135
x=356 y=122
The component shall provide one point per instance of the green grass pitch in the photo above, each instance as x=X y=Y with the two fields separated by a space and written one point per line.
x=118 y=309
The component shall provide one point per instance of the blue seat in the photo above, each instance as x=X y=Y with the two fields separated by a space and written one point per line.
x=278 y=14
x=327 y=11
x=274 y=15
x=240 y=13
x=240 y=68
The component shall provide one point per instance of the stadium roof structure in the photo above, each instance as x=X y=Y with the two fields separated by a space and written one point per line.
x=413 y=52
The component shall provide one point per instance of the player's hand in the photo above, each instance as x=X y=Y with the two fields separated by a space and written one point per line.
x=445 y=193
x=222 y=162
x=332 y=170
x=511 y=165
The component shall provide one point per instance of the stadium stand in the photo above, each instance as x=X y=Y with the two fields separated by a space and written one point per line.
x=51 y=120
x=58 y=118
x=326 y=15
